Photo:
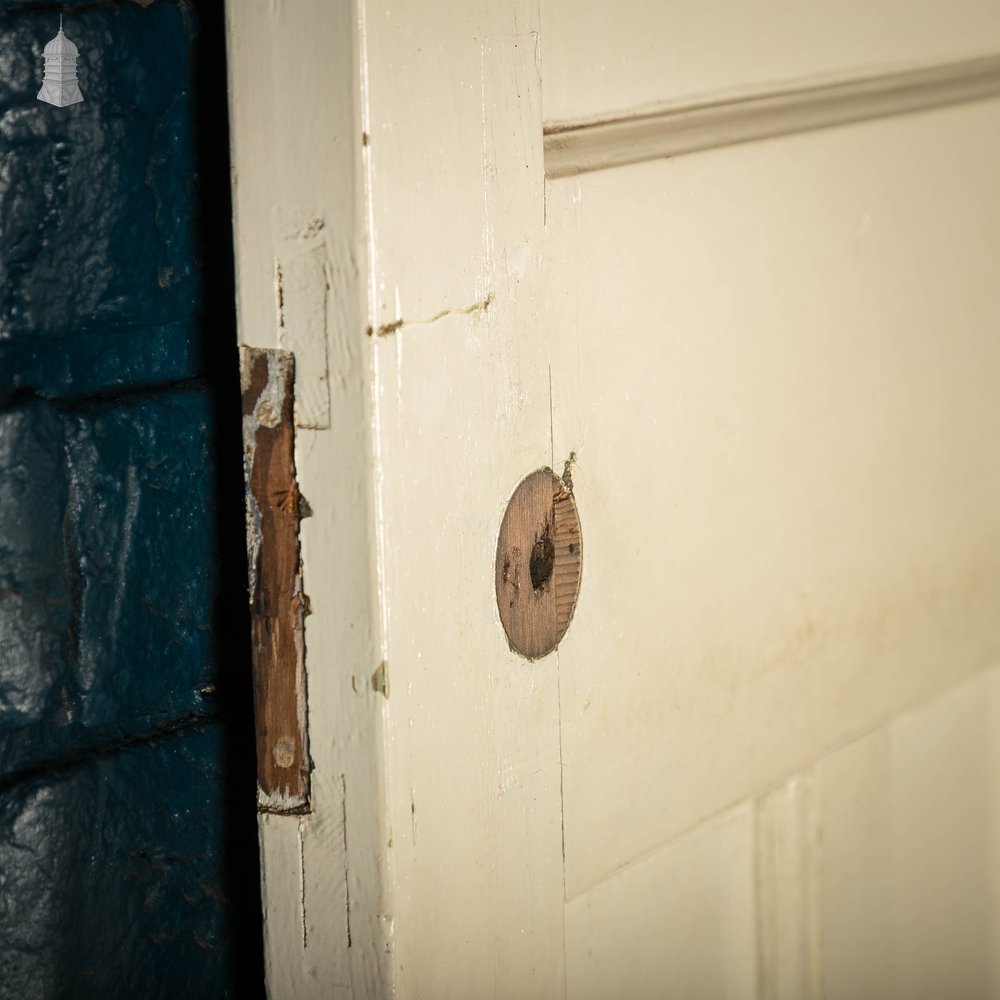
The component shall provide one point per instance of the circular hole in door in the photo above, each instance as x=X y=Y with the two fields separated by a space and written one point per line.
x=539 y=564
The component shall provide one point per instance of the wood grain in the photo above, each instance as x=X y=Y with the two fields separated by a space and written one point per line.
x=539 y=564
x=277 y=602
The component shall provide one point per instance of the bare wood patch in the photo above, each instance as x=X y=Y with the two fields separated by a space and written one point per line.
x=539 y=564
x=277 y=603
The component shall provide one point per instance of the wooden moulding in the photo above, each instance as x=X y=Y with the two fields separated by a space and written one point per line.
x=573 y=148
x=539 y=564
x=277 y=603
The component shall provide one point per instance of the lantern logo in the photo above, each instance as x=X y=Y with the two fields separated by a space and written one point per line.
x=59 y=87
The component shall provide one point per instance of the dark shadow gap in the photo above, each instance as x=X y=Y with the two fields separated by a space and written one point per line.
x=217 y=324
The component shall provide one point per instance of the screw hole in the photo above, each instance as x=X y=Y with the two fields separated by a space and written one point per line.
x=543 y=557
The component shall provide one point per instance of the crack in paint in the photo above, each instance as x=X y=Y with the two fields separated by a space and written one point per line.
x=347 y=880
x=477 y=307
x=302 y=884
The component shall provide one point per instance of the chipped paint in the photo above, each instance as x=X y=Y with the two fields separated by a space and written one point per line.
x=277 y=600
x=266 y=413
x=380 y=679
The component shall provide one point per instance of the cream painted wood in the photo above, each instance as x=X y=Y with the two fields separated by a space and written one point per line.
x=811 y=436
x=298 y=200
x=679 y=923
x=775 y=367
x=874 y=873
x=786 y=865
x=910 y=856
x=448 y=857
x=605 y=59
x=675 y=129
x=455 y=189
x=856 y=901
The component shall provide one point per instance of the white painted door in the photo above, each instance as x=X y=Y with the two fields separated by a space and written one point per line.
x=741 y=264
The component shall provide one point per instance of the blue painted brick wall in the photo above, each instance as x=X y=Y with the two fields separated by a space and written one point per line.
x=121 y=851
x=98 y=281
x=108 y=877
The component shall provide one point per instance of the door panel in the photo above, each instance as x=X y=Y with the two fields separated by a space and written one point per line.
x=650 y=928
x=776 y=367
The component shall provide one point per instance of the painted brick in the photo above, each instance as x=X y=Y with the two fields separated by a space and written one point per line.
x=140 y=504
x=35 y=600
x=99 y=276
x=128 y=903
x=113 y=803
x=107 y=534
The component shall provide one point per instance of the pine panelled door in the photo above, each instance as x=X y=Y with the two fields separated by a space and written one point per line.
x=733 y=269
